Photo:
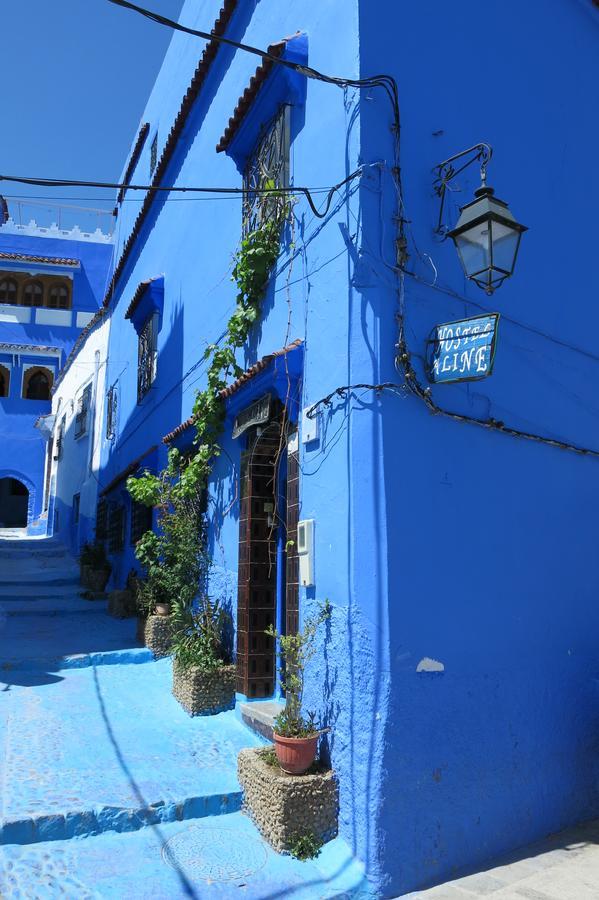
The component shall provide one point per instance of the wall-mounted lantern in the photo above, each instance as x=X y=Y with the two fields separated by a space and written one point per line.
x=486 y=236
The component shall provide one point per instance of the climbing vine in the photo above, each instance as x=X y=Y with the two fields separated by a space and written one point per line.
x=254 y=261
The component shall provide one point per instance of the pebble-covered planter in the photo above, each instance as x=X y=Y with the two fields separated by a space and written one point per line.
x=285 y=807
x=155 y=632
x=94 y=579
x=121 y=604
x=204 y=693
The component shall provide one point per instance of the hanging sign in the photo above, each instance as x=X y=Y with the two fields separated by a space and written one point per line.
x=256 y=414
x=463 y=350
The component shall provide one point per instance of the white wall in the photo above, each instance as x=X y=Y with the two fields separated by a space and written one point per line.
x=77 y=469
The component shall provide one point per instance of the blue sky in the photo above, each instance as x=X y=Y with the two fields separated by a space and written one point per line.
x=75 y=78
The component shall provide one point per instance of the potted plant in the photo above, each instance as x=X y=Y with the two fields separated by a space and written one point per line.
x=95 y=567
x=295 y=735
x=203 y=676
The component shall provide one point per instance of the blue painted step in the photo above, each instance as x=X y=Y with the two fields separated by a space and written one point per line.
x=214 y=857
x=108 y=748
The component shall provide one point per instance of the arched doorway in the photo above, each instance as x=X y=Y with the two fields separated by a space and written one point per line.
x=14 y=503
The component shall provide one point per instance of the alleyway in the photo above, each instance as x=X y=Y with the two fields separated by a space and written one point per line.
x=109 y=789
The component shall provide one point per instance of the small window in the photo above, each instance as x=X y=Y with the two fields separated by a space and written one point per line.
x=111 y=412
x=82 y=415
x=146 y=357
x=102 y=521
x=37 y=383
x=141 y=520
x=153 y=154
x=58 y=297
x=4 y=381
x=116 y=528
x=268 y=167
x=33 y=294
x=58 y=451
x=8 y=290
x=76 y=504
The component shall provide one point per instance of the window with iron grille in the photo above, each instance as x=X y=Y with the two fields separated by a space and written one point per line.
x=111 y=412
x=146 y=356
x=102 y=520
x=141 y=521
x=76 y=506
x=60 y=439
x=81 y=417
x=116 y=528
x=268 y=167
x=153 y=153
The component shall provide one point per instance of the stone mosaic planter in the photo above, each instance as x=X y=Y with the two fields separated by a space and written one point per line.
x=204 y=693
x=155 y=633
x=285 y=807
x=94 y=579
x=121 y=604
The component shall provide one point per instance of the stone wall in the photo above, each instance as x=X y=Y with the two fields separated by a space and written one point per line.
x=204 y=693
x=155 y=632
x=285 y=807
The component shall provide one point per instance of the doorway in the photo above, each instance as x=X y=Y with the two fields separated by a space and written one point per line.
x=14 y=503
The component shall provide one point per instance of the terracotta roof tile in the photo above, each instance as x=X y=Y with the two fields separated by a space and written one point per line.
x=46 y=260
x=199 y=76
x=129 y=470
x=81 y=338
x=249 y=95
x=235 y=386
x=133 y=159
x=139 y=292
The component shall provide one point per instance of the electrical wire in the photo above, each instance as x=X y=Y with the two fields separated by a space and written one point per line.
x=403 y=358
x=293 y=189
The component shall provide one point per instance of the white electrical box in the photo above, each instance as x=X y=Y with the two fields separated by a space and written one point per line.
x=305 y=551
x=309 y=426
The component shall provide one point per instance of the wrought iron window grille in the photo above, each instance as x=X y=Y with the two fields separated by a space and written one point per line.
x=146 y=357
x=83 y=404
x=102 y=520
x=60 y=440
x=111 y=412
x=141 y=521
x=268 y=167
x=116 y=528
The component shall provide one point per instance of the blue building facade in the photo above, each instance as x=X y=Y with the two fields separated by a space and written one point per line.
x=51 y=282
x=453 y=524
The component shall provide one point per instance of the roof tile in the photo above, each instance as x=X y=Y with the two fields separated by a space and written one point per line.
x=235 y=386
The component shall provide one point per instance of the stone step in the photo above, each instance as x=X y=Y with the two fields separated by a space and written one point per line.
x=212 y=856
x=108 y=748
x=35 y=592
x=260 y=715
x=55 y=577
x=56 y=552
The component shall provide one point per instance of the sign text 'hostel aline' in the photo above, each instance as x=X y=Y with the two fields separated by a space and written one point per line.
x=464 y=350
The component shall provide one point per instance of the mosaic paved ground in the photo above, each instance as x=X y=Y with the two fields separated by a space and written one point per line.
x=109 y=789
x=220 y=857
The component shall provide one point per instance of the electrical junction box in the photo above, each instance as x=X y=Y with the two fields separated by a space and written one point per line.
x=309 y=426
x=305 y=551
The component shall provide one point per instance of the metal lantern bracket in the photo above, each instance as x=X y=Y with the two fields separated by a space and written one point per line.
x=445 y=172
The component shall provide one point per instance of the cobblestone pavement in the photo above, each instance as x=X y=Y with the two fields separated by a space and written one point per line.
x=108 y=789
x=564 y=866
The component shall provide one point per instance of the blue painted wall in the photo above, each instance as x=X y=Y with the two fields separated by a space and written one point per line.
x=435 y=540
x=23 y=449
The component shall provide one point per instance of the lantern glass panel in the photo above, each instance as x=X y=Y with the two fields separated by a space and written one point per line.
x=505 y=246
x=474 y=247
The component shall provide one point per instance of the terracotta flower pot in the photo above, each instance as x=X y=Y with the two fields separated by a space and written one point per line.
x=295 y=755
x=163 y=609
